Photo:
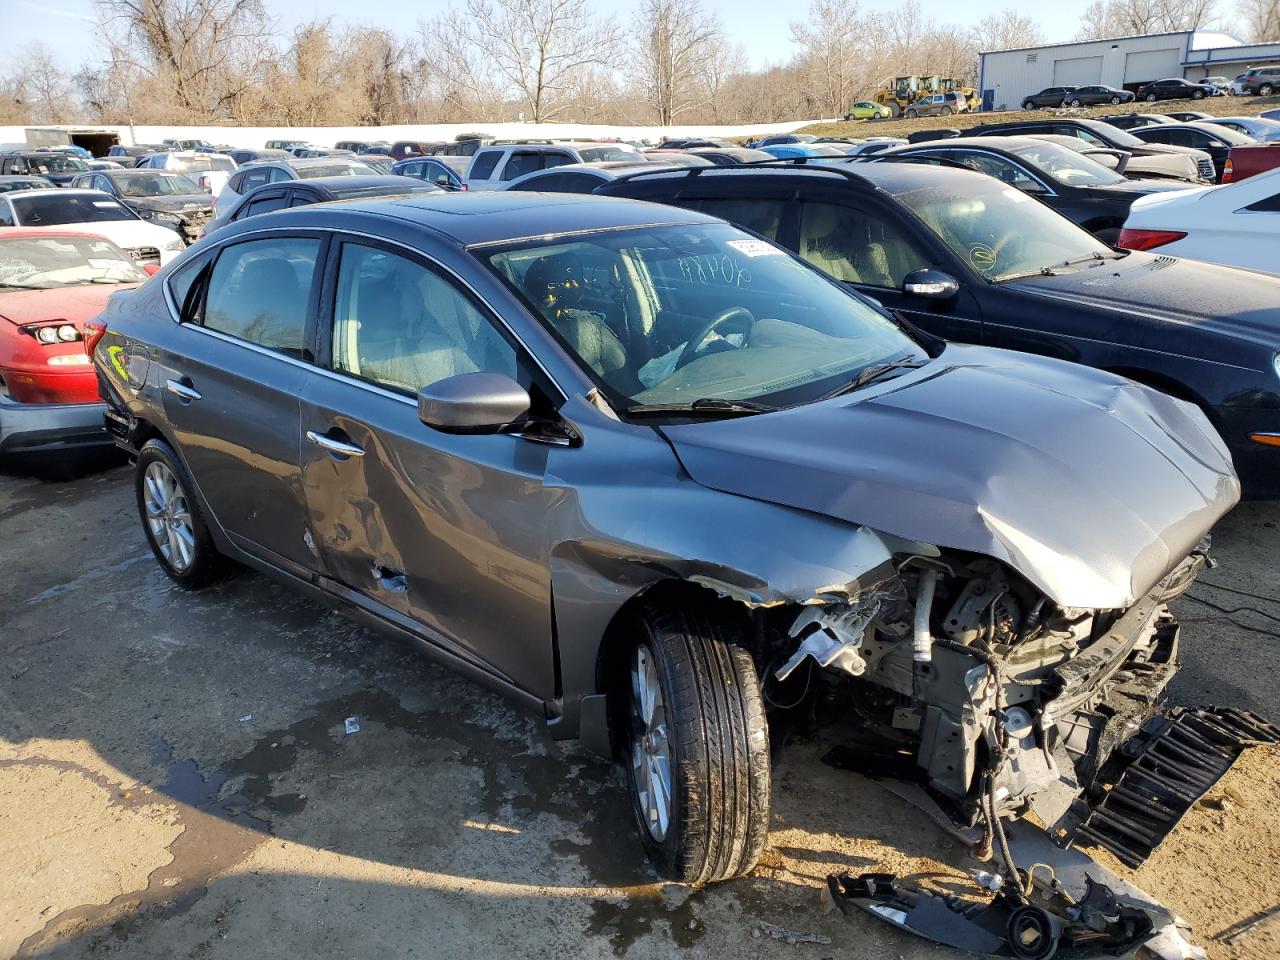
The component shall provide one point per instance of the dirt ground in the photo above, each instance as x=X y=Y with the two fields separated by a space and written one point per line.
x=177 y=780
x=1215 y=106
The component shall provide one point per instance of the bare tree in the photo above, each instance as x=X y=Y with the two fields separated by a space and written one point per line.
x=45 y=87
x=201 y=55
x=466 y=83
x=1261 y=19
x=1118 y=18
x=1007 y=30
x=829 y=41
x=671 y=41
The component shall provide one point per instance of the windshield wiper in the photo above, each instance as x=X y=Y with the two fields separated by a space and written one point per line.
x=1051 y=270
x=703 y=406
x=874 y=372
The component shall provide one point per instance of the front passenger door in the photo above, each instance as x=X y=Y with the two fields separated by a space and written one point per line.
x=440 y=531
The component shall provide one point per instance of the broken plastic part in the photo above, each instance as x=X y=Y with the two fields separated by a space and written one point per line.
x=840 y=631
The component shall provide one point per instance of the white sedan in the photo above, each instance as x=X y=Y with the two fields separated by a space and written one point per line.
x=1237 y=224
x=95 y=212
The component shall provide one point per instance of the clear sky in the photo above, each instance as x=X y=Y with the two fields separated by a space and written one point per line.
x=68 y=26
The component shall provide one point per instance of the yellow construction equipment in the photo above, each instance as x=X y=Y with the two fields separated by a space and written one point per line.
x=901 y=92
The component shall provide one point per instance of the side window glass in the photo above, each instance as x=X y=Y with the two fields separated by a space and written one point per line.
x=993 y=166
x=856 y=246
x=277 y=175
x=404 y=326
x=482 y=166
x=276 y=201
x=1269 y=204
x=555 y=160
x=763 y=216
x=180 y=285
x=6 y=217
x=259 y=291
x=518 y=164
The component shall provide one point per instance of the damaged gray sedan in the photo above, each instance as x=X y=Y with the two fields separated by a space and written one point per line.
x=663 y=482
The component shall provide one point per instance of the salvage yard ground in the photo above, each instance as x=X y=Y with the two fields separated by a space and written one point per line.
x=176 y=780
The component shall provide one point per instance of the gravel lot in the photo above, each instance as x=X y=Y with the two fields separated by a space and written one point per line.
x=176 y=779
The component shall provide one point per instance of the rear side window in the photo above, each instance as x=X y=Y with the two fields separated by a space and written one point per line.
x=764 y=216
x=482 y=166
x=561 y=183
x=276 y=201
x=259 y=292
x=1269 y=204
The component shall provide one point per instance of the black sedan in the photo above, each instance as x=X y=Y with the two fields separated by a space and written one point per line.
x=1131 y=121
x=1174 y=88
x=1212 y=138
x=167 y=199
x=1081 y=189
x=298 y=193
x=1097 y=95
x=967 y=258
x=1048 y=97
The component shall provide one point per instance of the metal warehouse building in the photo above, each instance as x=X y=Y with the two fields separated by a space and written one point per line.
x=1006 y=76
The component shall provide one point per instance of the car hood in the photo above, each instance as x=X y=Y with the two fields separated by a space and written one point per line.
x=1143 y=188
x=73 y=304
x=1153 y=148
x=1205 y=296
x=192 y=203
x=1089 y=485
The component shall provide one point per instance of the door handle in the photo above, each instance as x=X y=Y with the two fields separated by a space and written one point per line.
x=182 y=390
x=336 y=447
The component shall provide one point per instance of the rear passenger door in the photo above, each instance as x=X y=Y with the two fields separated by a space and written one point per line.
x=230 y=378
x=444 y=534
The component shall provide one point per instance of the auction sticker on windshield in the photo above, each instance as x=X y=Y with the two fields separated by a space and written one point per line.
x=754 y=248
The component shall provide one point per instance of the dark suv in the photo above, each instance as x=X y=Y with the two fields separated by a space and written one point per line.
x=1263 y=81
x=966 y=257
x=1048 y=97
x=1175 y=88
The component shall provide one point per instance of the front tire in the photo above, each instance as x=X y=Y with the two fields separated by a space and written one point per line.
x=1197 y=95
x=912 y=115
x=1266 y=90
x=1115 y=101
x=173 y=521
x=697 y=748
x=1028 y=105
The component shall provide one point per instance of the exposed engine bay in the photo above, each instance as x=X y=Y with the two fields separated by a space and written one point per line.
x=959 y=677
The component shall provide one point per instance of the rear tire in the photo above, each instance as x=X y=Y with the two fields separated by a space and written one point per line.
x=173 y=521
x=697 y=733
x=945 y=112
x=1075 y=102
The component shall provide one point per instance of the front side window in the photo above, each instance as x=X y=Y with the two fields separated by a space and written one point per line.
x=1002 y=233
x=259 y=291
x=276 y=201
x=673 y=314
x=856 y=246
x=404 y=326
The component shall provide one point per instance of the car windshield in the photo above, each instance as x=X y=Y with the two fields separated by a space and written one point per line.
x=35 y=183
x=49 y=209
x=155 y=185
x=1066 y=166
x=349 y=168
x=609 y=151
x=678 y=314
x=1001 y=232
x=56 y=163
x=192 y=164
x=46 y=262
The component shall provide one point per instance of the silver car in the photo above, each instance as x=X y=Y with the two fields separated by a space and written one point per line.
x=661 y=481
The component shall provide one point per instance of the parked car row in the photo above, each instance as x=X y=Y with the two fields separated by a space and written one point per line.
x=1260 y=80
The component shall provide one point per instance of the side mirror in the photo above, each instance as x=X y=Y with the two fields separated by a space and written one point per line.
x=931 y=284
x=473 y=403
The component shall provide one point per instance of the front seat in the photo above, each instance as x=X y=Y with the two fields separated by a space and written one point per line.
x=554 y=286
x=399 y=344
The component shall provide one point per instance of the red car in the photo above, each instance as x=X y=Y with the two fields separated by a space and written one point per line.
x=50 y=284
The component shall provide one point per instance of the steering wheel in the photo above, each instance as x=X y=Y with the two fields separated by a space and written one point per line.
x=741 y=314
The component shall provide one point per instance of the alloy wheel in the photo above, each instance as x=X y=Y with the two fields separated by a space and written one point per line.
x=169 y=517
x=650 y=745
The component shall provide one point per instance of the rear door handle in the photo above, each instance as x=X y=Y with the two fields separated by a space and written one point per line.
x=183 y=390
x=338 y=448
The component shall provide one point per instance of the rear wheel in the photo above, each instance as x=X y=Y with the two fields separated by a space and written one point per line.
x=895 y=110
x=175 y=526
x=1075 y=101
x=945 y=112
x=698 y=748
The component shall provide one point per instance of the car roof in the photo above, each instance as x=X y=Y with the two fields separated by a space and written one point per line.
x=989 y=143
x=16 y=233
x=892 y=178
x=343 y=184
x=496 y=216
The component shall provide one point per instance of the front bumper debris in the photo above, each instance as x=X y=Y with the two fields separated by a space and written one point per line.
x=28 y=428
x=1150 y=783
